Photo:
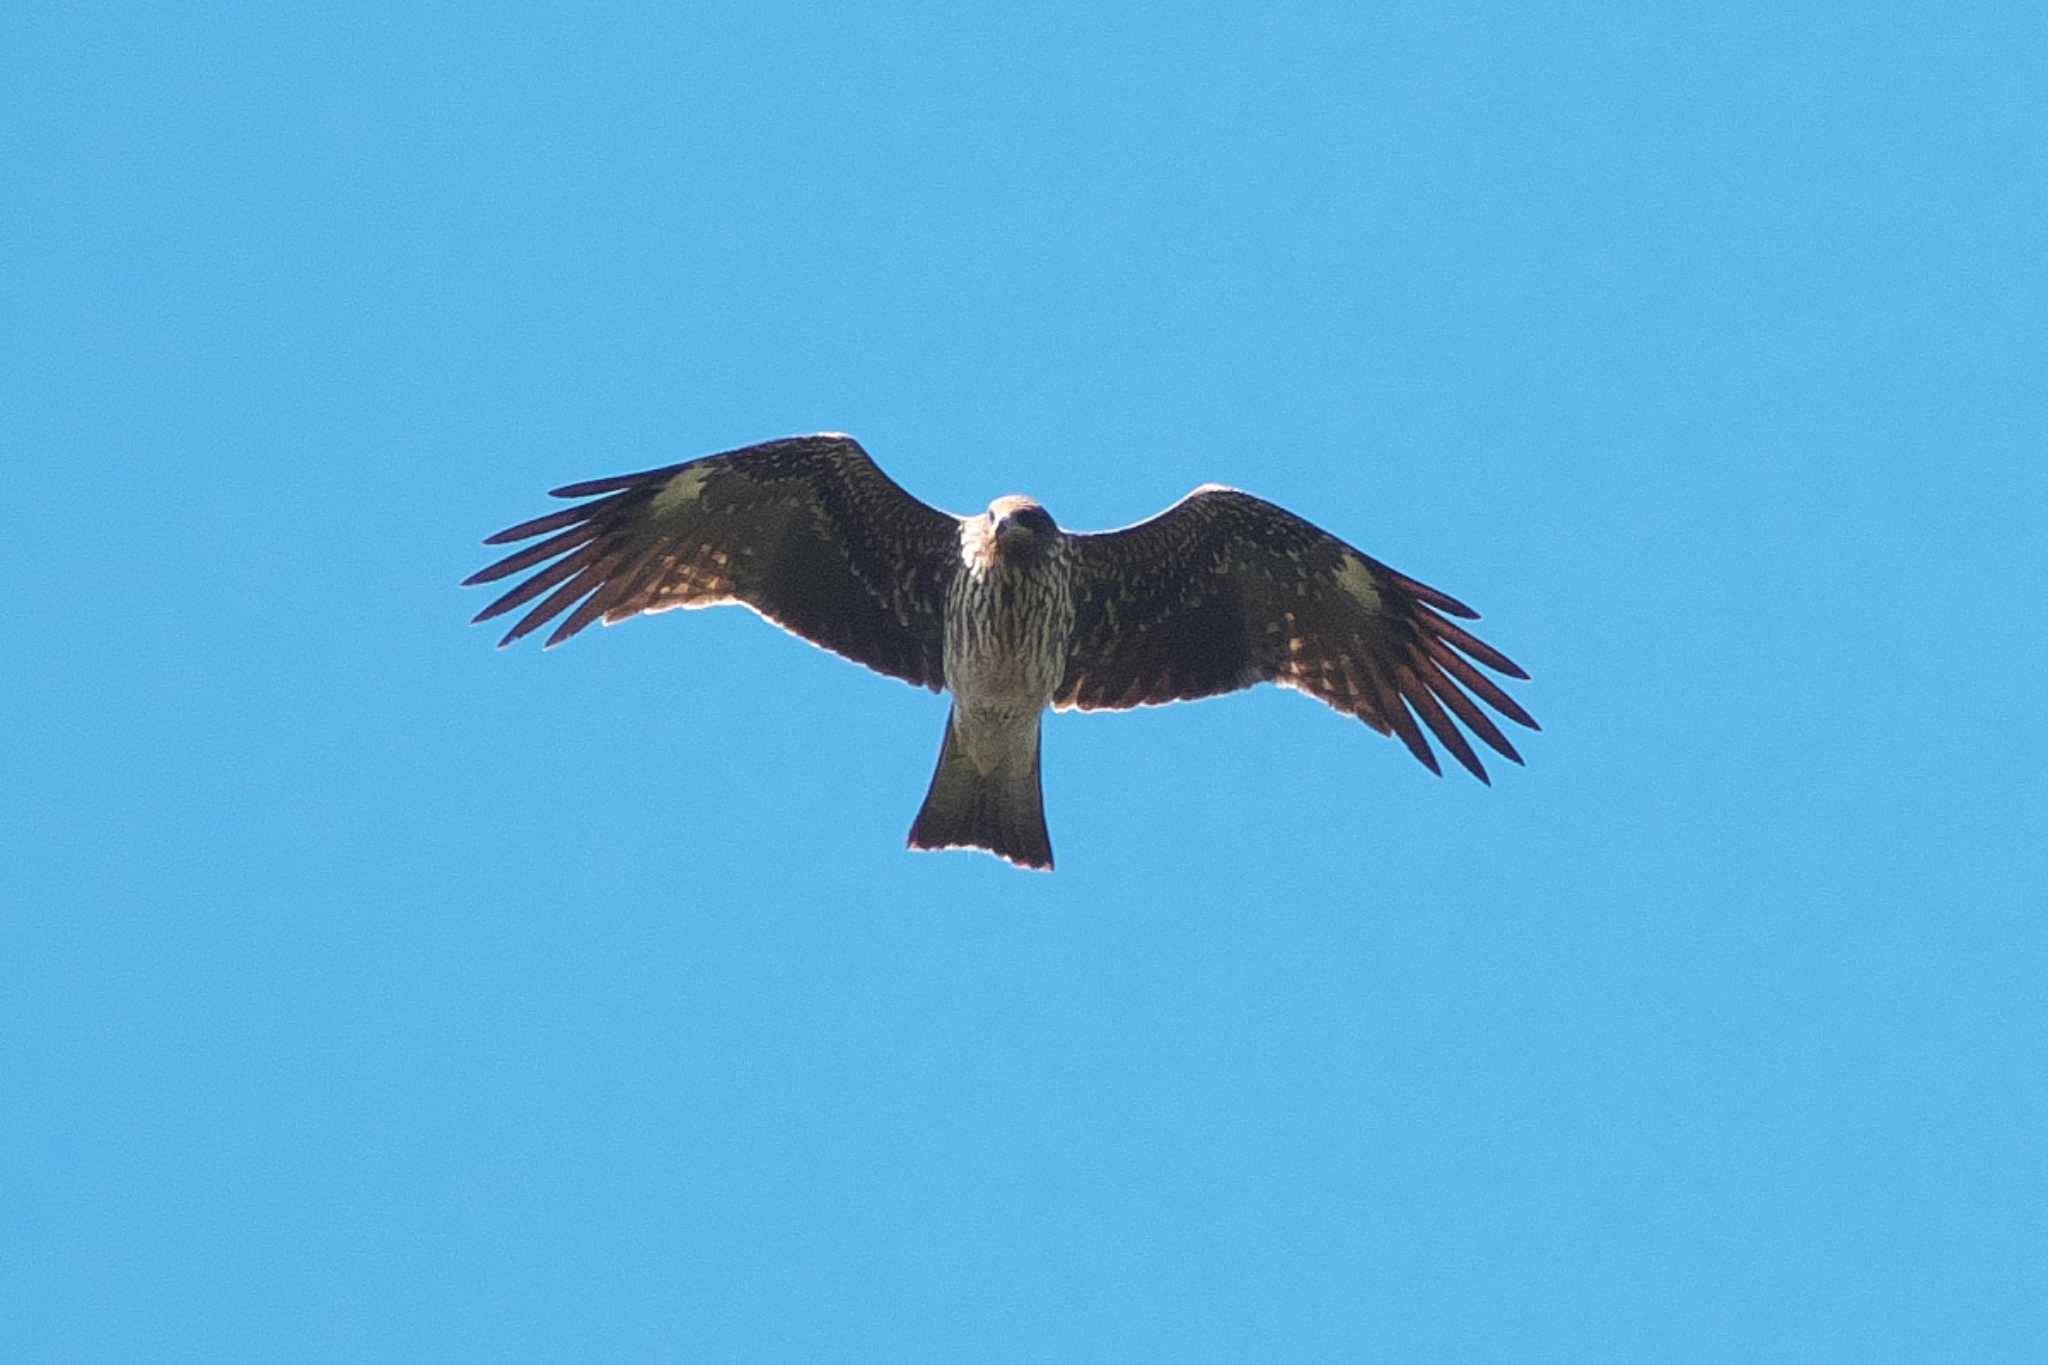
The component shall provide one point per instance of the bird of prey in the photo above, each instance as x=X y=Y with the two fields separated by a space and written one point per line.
x=1010 y=613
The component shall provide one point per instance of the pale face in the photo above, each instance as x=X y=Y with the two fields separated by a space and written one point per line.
x=1020 y=526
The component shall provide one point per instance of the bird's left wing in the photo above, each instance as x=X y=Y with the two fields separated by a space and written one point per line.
x=1223 y=590
x=807 y=530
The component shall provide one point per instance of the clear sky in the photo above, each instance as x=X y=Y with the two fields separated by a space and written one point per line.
x=371 y=994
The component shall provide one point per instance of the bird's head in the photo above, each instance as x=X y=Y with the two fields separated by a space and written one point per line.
x=1021 y=528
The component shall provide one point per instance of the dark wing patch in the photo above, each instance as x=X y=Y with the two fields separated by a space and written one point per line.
x=808 y=531
x=1223 y=590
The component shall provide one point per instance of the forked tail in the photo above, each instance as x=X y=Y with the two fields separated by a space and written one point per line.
x=1002 y=811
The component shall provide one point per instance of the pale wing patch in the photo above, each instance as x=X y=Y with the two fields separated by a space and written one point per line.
x=682 y=490
x=1355 y=578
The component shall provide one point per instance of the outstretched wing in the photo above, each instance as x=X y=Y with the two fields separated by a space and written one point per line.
x=1223 y=590
x=805 y=530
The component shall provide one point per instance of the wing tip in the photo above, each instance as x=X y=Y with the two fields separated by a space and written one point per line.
x=1449 y=605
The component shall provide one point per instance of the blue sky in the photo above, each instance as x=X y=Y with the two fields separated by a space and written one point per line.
x=373 y=994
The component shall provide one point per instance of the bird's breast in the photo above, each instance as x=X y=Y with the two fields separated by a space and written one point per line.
x=1007 y=630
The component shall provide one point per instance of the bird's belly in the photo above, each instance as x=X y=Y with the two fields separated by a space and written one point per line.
x=1012 y=681
x=997 y=703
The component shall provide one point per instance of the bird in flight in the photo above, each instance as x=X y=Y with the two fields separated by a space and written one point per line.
x=1010 y=613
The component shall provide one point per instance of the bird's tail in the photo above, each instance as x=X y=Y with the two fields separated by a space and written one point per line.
x=1002 y=811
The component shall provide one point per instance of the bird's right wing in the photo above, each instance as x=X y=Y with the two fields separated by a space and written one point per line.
x=807 y=530
x=1223 y=590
